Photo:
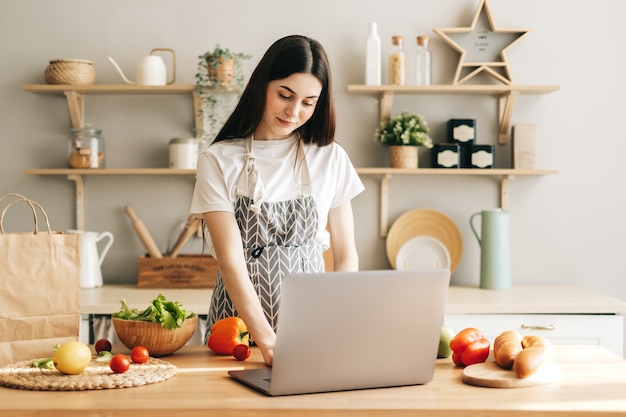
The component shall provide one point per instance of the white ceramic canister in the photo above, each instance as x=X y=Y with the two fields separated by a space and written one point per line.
x=183 y=153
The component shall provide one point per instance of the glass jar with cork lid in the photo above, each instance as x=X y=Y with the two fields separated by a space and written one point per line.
x=397 y=62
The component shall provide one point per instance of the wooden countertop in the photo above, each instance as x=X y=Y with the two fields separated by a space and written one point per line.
x=593 y=383
x=521 y=299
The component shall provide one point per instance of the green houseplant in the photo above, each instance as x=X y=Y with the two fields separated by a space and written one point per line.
x=219 y=84
x=404 y=134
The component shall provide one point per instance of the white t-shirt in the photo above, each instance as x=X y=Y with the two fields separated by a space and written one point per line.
x=334 y=180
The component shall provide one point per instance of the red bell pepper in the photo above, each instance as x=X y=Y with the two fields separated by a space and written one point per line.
x=469 y=346
x=226 y=334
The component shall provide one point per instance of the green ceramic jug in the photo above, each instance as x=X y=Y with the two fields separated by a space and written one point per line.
x=495 y=248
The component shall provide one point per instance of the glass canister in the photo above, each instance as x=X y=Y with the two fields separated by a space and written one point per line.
x=397 y=62
x=86 y=148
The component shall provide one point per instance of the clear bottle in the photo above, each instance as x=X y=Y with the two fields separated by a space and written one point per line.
x=397 y=62
x=423 y=62
x=373 y=57
x=86 y=148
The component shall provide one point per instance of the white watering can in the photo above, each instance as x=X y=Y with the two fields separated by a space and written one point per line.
x=151 y=69
x=90 y=260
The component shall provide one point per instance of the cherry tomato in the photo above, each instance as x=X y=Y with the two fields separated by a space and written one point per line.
x=139 y=354
x=103 y=345
x=241 y=352
x=119 y=363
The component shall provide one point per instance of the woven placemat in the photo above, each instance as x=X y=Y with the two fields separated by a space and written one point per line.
x=97 y=375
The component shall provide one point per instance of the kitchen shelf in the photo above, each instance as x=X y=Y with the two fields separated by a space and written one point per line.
x=75 y=94
x=387 y=173
x=76 y=175
x=507 y=95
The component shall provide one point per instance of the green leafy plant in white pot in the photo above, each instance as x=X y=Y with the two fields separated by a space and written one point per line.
x=404 y=134
x=219 y=84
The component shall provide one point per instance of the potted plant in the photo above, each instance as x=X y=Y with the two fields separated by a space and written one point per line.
x=219 y=79
x=404 y=134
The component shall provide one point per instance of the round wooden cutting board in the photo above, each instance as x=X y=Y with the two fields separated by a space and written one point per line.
x=490 y=375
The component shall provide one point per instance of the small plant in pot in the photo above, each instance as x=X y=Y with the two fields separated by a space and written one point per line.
x=404 y=134
x=219 y=80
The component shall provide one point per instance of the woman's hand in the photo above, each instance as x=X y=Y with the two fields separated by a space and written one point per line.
x=267 y=350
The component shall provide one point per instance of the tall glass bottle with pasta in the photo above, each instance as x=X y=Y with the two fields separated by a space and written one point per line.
x=397 y=62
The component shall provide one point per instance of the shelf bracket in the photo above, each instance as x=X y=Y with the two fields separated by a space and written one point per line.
x=76 y=107
x=80 y=200
x=504 y=191
x=507 y=102
x=386 y=105
x=384 y=204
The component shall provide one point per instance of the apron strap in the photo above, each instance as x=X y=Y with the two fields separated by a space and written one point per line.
x=251 y=185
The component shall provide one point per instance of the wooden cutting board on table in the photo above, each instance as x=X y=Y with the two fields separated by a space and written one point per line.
x=490 y=375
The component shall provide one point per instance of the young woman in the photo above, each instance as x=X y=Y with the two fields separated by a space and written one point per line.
x=271 y=183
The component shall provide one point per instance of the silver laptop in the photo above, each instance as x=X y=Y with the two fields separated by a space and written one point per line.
x=354 y=330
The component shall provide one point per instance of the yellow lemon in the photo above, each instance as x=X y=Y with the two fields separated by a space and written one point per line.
x=72 y=357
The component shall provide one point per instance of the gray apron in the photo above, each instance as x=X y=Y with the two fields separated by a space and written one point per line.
x=278 y=238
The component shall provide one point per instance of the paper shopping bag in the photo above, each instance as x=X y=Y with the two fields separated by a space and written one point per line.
x=39 y=286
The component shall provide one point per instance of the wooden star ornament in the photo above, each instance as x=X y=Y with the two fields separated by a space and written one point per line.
x=483 y=47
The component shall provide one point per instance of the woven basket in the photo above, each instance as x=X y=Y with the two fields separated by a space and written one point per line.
x=70 y=72
x=403 y=156
x=157 y=339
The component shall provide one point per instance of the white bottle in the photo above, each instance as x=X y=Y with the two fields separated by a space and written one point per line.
x=373 y=58
x=423 y=62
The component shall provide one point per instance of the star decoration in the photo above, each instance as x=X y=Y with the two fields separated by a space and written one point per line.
x=483 y=47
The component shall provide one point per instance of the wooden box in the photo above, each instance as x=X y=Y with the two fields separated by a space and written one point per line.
x=184 y=271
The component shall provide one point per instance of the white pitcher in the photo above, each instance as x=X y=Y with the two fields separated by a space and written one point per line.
x=90 y=261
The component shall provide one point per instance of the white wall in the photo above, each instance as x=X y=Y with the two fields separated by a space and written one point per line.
x=567 y=228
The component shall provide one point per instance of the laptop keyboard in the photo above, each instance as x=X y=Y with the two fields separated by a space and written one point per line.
x=269 y=379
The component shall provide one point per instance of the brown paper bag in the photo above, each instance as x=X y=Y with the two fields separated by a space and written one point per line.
x=39 y=287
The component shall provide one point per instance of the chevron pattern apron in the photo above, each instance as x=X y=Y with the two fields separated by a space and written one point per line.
x=278 y=238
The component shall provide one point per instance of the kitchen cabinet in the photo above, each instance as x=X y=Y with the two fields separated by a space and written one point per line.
x=506 y=94
x=565 y=314
x=561 y=329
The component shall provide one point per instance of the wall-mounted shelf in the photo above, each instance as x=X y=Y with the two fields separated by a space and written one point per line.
x=76 y=175
x=507 y=94
x=75 y=94
x=387 y=173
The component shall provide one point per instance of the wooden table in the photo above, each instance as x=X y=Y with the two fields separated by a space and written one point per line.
x=593 y=384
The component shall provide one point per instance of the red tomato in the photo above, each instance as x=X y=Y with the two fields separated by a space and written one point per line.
x=241 y=352
x=102 y=345
x=469 y=346
x=139 y=354
x=119 y=363
x=476 y=352
x=464 y=337
x=457 y=358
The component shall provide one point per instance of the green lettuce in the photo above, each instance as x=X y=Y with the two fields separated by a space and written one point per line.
x=170 y=314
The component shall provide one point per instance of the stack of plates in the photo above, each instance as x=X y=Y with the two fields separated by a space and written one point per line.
x=424 y=239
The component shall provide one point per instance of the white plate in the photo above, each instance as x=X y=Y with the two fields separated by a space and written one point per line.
x=423 y=252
